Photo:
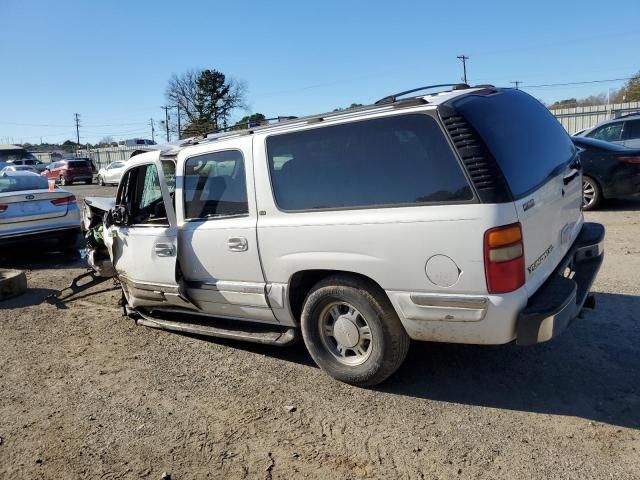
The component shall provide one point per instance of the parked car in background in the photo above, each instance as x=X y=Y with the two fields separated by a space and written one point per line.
x=111 y=174
x=29 y=211
x=624 y=130
x=10 y=167
x=413 y=218
x=67 y=172
x=608 y=171
x=34 y=163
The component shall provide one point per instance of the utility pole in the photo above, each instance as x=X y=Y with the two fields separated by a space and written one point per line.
x=77 y=117
x=153 y=130
x=464 y=59
x=516 y=83
x=166 y=120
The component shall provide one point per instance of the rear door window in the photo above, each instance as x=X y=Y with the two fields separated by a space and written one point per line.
x=214 y=185
x=528 y=143
x=612 y=132
x=393 y=161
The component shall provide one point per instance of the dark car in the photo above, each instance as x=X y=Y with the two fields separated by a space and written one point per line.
x=609 y=170
x=68 y=171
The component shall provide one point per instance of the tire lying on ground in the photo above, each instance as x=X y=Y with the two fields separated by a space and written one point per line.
x=12 y=283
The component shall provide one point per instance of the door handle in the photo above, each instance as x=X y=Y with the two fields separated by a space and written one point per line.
x=238 y=244
x=164 y=250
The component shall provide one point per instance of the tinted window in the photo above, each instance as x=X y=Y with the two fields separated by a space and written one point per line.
x=215 y=185
x=78 y=164
x=611 y=132
x=528 y=143
x=19 y=183
x=402 y=160
x=633 y=129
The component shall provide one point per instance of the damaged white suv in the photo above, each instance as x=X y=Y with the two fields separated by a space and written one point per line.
x=449 y=217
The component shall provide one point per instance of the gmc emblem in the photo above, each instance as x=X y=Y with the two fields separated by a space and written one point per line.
x=30 y=197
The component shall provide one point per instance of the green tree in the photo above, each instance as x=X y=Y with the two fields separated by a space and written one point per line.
x=630 y=92
x=249 y=121
x=206 y=99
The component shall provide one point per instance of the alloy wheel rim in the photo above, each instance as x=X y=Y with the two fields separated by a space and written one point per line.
x=588 y=193
x=345 y=333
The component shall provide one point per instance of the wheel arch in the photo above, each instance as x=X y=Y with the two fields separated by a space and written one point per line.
x=301 y=283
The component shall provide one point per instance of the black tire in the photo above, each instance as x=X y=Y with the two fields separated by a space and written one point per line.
x=591 y=193
x=88 y=182
x=63 y=181
x=101 y=181
x=388 y=344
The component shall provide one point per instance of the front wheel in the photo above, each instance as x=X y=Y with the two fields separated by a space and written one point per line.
x=63 y=181
x=101 y=181
x=591 y=194
x=352 y=331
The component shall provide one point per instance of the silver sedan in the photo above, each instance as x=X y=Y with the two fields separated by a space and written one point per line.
x=30 y=209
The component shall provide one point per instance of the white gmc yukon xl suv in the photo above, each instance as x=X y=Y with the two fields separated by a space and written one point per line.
x=449 y=217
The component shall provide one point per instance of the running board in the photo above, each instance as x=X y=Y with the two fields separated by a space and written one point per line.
x=248 y=332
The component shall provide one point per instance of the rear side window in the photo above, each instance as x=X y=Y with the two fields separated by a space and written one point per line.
x=215 y=185
x=401 y=160
x=528 y=143
x=633 y=129
x=611 y=132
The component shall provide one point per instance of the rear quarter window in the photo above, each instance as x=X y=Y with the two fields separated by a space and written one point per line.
x=393 y=161
x=528 y=143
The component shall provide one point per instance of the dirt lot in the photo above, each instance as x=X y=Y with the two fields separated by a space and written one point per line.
x=86 y=394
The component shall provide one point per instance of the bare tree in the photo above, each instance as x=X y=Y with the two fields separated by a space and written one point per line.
x=206 y=99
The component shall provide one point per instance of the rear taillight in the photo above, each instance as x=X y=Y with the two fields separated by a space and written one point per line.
x=504 y=258
x=629 y=159
x=3 y=208
x=64 y=200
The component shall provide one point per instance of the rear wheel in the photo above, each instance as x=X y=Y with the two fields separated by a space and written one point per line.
x=591 y=193
x=88 y=181
x=63 y=181
x=352 y=331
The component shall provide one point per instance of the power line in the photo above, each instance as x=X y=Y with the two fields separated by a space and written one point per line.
x=464 y=59
x=587 y=82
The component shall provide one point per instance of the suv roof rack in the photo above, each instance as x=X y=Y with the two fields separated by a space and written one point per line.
x=394 y=97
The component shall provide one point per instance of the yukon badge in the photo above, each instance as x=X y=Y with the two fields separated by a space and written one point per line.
x=532 y=268
x=528 y=204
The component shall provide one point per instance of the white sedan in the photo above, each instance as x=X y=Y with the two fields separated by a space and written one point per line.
x=30 y=210
x=111 y=174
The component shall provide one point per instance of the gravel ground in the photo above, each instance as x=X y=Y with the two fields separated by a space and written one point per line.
x=86 y=394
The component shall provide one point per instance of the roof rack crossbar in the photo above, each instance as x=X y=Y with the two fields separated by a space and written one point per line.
x=394 y=97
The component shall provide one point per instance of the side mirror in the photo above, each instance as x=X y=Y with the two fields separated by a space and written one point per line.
x=118 y=216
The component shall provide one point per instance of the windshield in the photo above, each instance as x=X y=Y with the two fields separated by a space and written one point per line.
x=20 y=183
x=528 y=143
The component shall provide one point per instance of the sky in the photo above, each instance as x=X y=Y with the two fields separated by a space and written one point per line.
x=110 y=61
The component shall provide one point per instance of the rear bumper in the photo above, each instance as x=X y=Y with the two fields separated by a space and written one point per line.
x=561 y=298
